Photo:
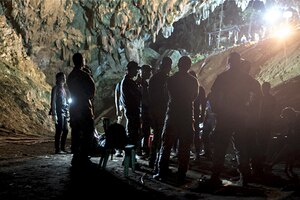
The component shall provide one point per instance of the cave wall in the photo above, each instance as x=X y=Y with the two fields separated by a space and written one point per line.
x=24 y=92
x=107 y=33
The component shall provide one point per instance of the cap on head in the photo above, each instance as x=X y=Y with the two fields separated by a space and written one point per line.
x=132 y=65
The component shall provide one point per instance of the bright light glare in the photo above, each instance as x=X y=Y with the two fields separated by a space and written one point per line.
x=283 y=32
x=201 y=125
x=70 y=100
x=287 y=14
x=272 y=15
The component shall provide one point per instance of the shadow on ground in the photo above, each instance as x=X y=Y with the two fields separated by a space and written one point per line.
x=36 y=174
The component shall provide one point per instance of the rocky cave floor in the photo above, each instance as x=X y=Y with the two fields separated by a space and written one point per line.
x=29 y=169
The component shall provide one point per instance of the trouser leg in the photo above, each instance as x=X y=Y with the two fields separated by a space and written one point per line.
x=64 y=134
x=221 y=141
x=165 y=151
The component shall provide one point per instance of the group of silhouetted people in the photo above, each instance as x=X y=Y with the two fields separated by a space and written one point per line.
x=175 y=110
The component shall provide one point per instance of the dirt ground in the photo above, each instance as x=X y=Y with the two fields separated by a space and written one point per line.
x=30 y=170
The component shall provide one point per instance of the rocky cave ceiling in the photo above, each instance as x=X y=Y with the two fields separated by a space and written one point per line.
x=40 y=36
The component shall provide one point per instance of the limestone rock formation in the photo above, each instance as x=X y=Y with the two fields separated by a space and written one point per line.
x=24 y=92
x=38 y=38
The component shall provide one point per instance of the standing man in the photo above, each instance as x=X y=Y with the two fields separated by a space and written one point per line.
x=179 y=123
x=267 y=117
x=119 y=112
x=82 y=90
x=131 y=101
x=158 y=101
x=230 y=94
x=145 y=114
x=252 y=123
x=199 y=111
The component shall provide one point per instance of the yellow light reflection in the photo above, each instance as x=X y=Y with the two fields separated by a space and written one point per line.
x=282 y=32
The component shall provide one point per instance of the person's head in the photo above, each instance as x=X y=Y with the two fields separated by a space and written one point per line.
x=266 y=87
x=146 y=71
x=60 y=78
x=132 y=68
x=78 y=60
x=166 y=65
x=184 y=63
x=234 y=59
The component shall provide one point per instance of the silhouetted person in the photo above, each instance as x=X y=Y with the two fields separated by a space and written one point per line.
x=230 y=94
x=146 y=118
x=199 y=111
x=158 y=95
x=60 y=112
x=252 y=122
x=82 y=90
x=131 y=101
x=267 y=114
x=183 y=90
x=291 y=147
